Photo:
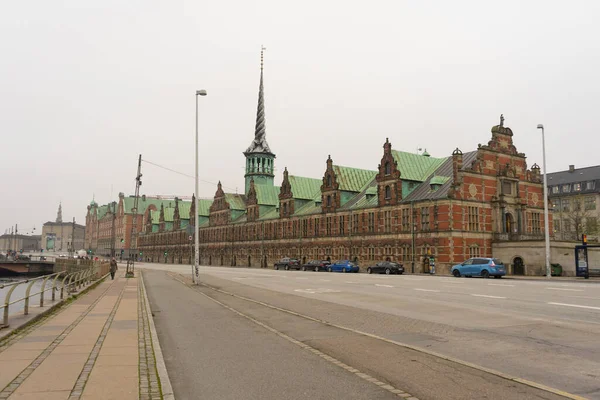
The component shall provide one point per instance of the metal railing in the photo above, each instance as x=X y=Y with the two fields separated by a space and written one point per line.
x=71 y=281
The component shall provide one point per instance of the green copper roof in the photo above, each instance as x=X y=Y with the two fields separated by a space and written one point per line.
x=236 y=201
x=102 y=210
x=305 y=188
x=169 y=212
x=204 y=207
x=184 y=209
x=371 y=190
x=312 y=207
x=267 y=195
x=415 y=167
x=271 y=214
x=353 y=179
x=438 y=180
x=155 y=215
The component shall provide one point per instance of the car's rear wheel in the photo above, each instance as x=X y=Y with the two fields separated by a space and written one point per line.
x=287 y=267
x=303 y=268
x=329 y=269
x=369 y=270
x=277 y=267
x=316 y=269
x=485 y=274
x=388 y=271
x=344 y=270
x=498 y=276
x=456 y=273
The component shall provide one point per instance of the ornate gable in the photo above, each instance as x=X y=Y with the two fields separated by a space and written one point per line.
x=389 y=185
x=330 y=193
x=161 y=219
x=219 y=212
x=176 y=218
x=286 y=197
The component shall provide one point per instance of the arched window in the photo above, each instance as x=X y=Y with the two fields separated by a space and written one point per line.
x=328 y=201
x=388 y=168
x=284 y=208
x=388 y=192
x=328 y=180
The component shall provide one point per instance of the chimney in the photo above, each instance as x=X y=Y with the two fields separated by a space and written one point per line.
x=457 y=163
x=143 y=197
x=571 y=168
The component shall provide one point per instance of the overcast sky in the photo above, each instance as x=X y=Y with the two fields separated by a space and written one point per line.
x=88 y=85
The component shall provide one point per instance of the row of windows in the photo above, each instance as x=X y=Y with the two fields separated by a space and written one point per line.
x=573 y=187
x=588 y=225
x=568 y=205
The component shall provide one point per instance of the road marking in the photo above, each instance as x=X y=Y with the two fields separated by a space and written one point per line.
x=500 y=284
x=405 y=345
x=377 y=284
x=427 y=290
x=301 y=278
x=575 y=305
x=490 y=297
x=569 y=290
x=325 y=280
x=349 y=282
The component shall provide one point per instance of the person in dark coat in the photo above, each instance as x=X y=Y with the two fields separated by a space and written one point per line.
x=113 y=268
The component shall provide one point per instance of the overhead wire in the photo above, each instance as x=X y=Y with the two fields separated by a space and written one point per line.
x=184 y=174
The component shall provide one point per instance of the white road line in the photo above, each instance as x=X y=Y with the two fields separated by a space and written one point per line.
x=575 y=305
x=301 y=278
x=349 y=282
x=500 y=284
x=427 y=290
x=383 y=285
x=490 y=297
x=325 y=280
x=570 y=290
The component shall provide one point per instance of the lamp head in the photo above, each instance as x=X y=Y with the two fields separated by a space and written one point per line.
x=540 y=126
x=201 y=92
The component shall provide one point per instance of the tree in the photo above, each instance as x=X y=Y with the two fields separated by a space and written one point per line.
x=576 y=216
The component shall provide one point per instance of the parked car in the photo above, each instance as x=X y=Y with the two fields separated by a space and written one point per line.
x=343 y=266
x=316 y=265
x=478 y=266
x=287 y=264
x=386 y=267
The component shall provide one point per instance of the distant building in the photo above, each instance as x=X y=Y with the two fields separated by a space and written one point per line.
x=20 y=242
x=58 y=235
x=575 y=196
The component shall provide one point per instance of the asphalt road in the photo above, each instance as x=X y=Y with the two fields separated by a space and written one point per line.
x=545 y=332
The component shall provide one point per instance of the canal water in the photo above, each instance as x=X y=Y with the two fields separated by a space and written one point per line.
x=19 y=292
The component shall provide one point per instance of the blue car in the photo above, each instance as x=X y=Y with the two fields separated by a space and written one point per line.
x=343 y=266
x=478 y=266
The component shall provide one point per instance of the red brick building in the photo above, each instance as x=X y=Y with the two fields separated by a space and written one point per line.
x=406 y=208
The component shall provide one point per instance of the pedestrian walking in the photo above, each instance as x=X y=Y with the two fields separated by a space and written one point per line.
x=113 y=268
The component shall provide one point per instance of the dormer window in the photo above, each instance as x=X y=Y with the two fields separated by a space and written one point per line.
x=577 y=187
x=566 y=188
x=388 y=169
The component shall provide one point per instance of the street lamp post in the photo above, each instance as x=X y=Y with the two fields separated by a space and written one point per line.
x=196 y=238
x=546 y=222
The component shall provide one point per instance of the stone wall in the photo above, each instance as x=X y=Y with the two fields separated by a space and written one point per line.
x=533 y=254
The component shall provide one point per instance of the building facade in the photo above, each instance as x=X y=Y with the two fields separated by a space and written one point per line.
x=62 y=236
x=408 y=208
x=17 y=242
x=575 y=198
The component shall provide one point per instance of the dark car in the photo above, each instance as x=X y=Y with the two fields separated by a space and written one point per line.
x=386 y=267
x=287 y=264
x=316 y=265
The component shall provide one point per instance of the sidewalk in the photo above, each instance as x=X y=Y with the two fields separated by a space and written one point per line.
x=98 y=347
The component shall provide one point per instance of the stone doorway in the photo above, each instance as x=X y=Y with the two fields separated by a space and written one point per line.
x=518 y=266
x=249 y=261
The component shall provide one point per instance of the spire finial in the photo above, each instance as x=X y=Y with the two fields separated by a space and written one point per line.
x=262 y=57
x=502 y=120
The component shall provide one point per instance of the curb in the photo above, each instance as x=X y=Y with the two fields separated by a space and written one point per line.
x=165 y=382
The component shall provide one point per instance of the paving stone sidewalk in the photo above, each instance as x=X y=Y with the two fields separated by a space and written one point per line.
x=97 y=347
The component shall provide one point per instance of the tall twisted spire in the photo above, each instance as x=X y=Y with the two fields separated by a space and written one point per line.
x=259 y=144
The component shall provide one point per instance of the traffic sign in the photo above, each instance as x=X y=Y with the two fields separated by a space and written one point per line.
x=190 y=238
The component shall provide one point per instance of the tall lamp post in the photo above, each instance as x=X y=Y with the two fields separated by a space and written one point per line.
x=546 y=222
x=196 y=238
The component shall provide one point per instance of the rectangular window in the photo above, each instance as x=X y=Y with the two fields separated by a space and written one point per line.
x=316 y=226
x=305 y=228
x=424 y=218
x=566 y=205
x=591 y=225
x=590 y=185
x=474 y=251
x=567 y=225
x=576 y=205
x=371 y=253
x=342 y=227
x=388 y=221
x=536 y=223
x=566 y=188
x=406 y=219
x=577 y=187
x=329 y=226
x=371 y=222
x=355 y=223
x=555 y=189
x=473 y=219
x=590 y=203
x=507 y=187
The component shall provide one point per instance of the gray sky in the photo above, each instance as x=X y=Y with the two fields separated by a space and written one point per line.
x=88 y=85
